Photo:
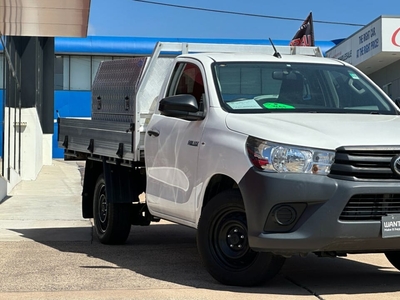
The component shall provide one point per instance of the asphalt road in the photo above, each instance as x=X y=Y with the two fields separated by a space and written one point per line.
x=161 y=262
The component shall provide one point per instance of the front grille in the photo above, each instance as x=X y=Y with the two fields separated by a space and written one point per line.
x=364 y=163
x=370 y=207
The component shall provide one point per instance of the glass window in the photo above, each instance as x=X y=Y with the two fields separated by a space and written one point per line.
x=58 y=73
x=61 y=72
x=297 y=87
x=387 y=88
x=80 y=73
x=1 y=71
x=66 y=74
x=187 y=79
x=120 y=57
x=77 y=72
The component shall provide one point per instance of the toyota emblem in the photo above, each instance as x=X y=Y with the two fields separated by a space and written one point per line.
x=395 y=165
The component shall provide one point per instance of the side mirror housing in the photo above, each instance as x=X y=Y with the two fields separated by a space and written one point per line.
x=182 y=106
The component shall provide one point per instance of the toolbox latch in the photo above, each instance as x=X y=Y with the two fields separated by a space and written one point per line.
x=126 y=103
x=98 y=102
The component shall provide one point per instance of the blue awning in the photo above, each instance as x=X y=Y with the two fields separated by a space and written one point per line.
x=129 y=46
x=103 y=45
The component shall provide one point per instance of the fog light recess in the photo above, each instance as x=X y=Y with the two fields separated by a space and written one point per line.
x=285 y=215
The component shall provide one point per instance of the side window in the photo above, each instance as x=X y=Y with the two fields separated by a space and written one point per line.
x=187 y=79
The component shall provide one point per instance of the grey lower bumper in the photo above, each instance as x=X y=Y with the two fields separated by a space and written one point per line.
x=318 y=228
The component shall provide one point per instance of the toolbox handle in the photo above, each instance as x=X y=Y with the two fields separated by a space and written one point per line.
x=98 y=102
x=126 y=102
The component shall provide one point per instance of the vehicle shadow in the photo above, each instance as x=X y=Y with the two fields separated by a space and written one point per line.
x=168 y=252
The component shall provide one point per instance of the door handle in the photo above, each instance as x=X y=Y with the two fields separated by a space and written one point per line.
x=153 y=132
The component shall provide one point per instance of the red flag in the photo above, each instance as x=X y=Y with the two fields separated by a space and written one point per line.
x=305 y=35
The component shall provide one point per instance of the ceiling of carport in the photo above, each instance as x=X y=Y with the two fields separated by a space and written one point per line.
x=44 y=18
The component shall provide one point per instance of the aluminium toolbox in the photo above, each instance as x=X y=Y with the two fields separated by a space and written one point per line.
x=114 y=89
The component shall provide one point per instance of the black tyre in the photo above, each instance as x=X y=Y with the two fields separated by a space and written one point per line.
x=111 y=220
x=222 y=241
x=394 y=258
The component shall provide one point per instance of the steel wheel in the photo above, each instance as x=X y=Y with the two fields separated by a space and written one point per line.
x=222 y=241
x=102 y=210
x=229 y=230
x=111 y=220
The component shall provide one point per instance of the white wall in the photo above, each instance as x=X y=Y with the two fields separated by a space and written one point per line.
x=26 y=148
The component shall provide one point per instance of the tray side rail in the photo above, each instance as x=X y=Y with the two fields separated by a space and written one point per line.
x=87 y=138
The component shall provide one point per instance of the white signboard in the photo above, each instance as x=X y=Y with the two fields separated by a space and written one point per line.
x=391 y=34
x=364 y=44
x=391 y=226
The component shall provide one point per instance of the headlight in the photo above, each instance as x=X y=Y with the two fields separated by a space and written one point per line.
x=287 y=158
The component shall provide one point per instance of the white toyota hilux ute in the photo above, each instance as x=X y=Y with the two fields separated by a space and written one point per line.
x=268 y=156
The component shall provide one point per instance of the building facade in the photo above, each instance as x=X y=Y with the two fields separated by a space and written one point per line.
x=375 y=50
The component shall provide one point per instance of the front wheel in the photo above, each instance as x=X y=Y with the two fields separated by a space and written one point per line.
x=222 y=241
x=394 y=258
x=111 y=220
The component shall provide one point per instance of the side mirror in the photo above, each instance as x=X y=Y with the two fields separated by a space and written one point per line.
x=182 y=106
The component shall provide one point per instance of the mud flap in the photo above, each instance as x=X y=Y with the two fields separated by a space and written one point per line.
x=122 y=183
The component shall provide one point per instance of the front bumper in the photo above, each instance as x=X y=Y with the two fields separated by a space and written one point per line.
x=320 y=201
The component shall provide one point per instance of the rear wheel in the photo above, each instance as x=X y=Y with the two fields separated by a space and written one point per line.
x=222 y=241
x=394 y=258
x=111 y=220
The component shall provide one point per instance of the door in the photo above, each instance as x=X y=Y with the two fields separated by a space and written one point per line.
x=172 y=149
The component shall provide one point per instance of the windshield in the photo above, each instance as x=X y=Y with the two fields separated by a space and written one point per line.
x=258 y=87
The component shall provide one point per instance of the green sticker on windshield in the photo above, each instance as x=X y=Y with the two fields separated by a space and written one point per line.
x=275 y=105
x=353 y=75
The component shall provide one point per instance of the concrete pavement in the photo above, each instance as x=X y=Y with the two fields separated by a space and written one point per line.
x=51 y=201
x=47 y=252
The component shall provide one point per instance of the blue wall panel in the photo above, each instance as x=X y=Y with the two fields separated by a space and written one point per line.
x=1 y=122
x=69 y=104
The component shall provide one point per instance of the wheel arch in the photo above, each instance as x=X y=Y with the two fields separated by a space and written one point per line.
x=124 y=185
x=217 y=184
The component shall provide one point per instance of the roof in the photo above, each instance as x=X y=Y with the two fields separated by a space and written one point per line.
x=261 y=57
